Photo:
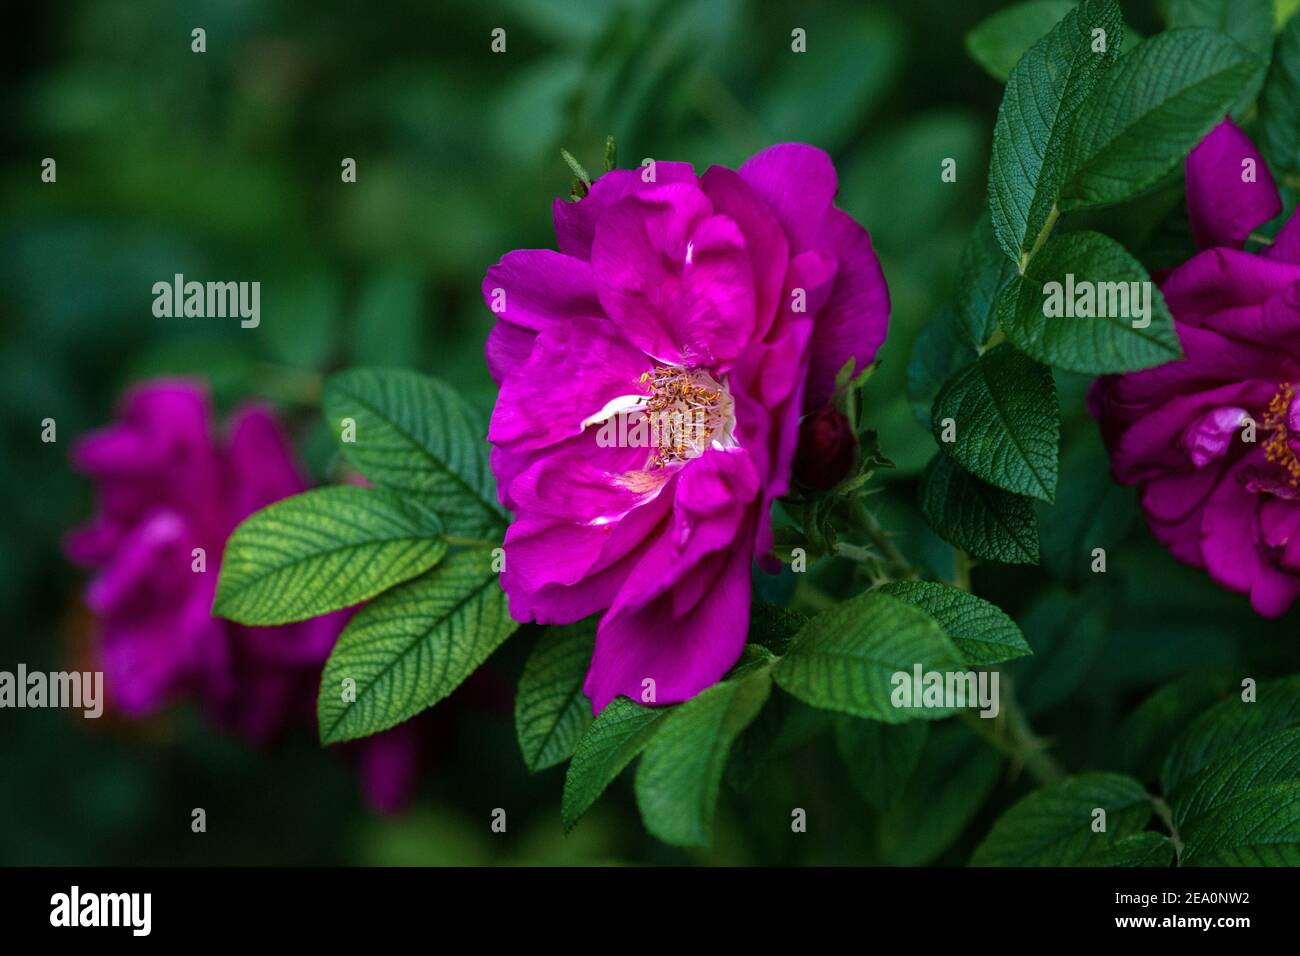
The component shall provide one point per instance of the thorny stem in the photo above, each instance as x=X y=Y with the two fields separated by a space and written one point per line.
x=896 y=563
x=1031 y=750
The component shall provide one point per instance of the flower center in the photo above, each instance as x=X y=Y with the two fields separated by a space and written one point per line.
x=688 y=412
x=1278 y=448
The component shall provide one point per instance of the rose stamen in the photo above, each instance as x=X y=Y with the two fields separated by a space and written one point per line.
x=1278 y=447
x=688 y=411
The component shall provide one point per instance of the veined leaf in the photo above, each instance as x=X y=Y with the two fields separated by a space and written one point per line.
x=321 y=551
x=982 y=632
x=1007 y=422
x=412 y=647
x=1088 y=265
x=1158 y=103
x=414 y=434
x=845 y=658
x=1223 y=726
x=1043 y=94
x=983 y=273
x=551 y=712
x=985 y=521
x=680 y=773
x=1054 y=826
x=1140 y=849
x=1257 y=828
x=1257 y=762
x=617 y=735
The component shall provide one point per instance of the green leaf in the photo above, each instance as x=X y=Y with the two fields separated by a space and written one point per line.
x=844 y=659
x=414 y=434
x=679 y=776
x=774 y=626
x=939 y=351
x=1053 y=826
x=551 y=712
x=1007 y=422
x=1091 y=511
x=999 y=41
x=1254 y=763
x=1219 y=729
x=986 y=522
x=880 y=758
x=1079 y=343
x=1043 y=95
x=1279 y=102
x=982 y=275
x=1158 y=103
x=617 y=735
x=412 y=647
x=1257 y=828
x=1140 y=849
x=321 y=551
x=982 y=632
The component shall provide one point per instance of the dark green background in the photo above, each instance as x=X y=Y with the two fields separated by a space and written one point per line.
x=225 y=165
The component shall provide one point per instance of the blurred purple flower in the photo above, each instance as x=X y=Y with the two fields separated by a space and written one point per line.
x=719 y=307
x=1213 y=439
x=167 y=485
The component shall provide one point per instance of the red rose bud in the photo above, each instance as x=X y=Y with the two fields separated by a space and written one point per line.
x=826 y=449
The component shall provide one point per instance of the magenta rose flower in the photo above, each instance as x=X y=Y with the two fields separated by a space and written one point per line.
x=1213 y=439
x=167 y=485
x=716 y=309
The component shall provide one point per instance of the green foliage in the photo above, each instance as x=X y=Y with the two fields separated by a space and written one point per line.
x=1096 y=344
x=618 y=734
x=415 y=435
x=1227 y=724
x=551 y=713
x=1058 y=825
x=321 y=551
x=412 y=647
x=982 y=632
x=680 y=773
x=1003 y=407
x=1043 y=95
x=983 y=520
x=1155 y=105
x=1279 y=103
x=843 y=658
x=999 y=41
x=983 y=274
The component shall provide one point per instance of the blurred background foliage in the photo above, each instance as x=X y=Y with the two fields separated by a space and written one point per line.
x=226 y=165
